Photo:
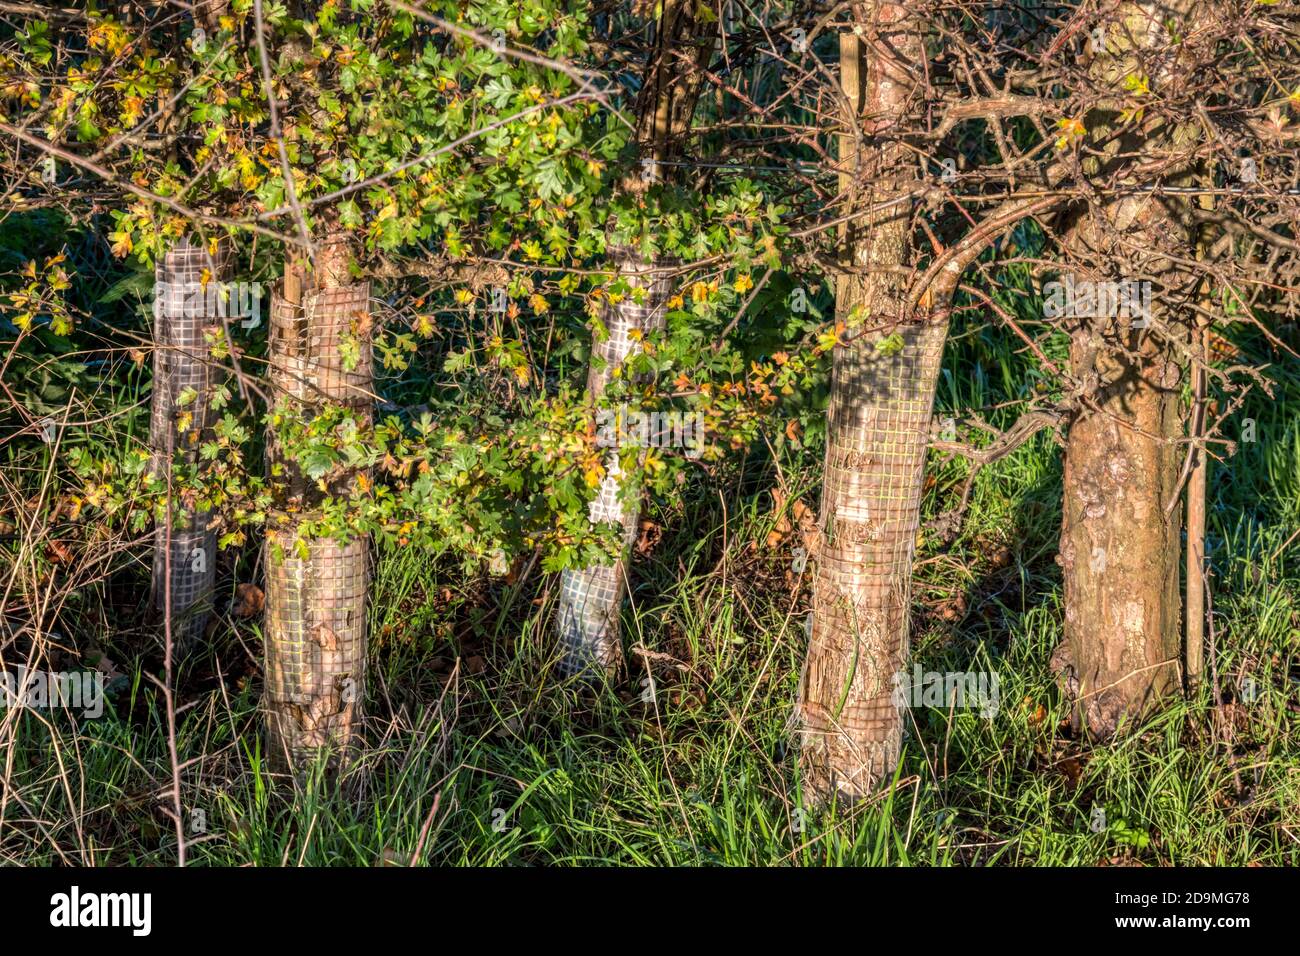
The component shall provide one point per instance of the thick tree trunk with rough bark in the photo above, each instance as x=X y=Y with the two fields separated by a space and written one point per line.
x=1120 y=542
x=315 y=633
x=1120 y=553
x=878 y=425
x=187 y=311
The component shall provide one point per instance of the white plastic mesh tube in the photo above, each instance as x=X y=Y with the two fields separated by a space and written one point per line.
x=590 y=599
x=186 y=311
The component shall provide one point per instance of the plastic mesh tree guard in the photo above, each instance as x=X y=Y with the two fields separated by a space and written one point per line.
x=878 y=429
x=187 y=310
x=315 y=648
x=850 y=713
x=315 y=635
x=590 y=598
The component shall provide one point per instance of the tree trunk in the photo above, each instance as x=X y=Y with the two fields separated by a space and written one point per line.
x=1119 y=547
x=591 y=598
x=315 y=633
x=185 y=552
x=186 y=309
x=1197 y=578
x=587 y=622
x=1119 y=550
x=878 y=426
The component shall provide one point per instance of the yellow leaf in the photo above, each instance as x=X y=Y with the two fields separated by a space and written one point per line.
x=1071 y=128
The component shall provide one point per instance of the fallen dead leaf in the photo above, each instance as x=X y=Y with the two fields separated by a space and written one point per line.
x=1072 y=769
x=58 y=552
x=649 y=534
x=391 y=857
x=249 y=601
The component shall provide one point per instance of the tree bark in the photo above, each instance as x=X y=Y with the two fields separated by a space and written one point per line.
x=1119 y=550
x=878 y=426
x=1119 y=547
x=315 y=633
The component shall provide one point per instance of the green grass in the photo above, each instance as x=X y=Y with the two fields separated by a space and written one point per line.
x=465 y=714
